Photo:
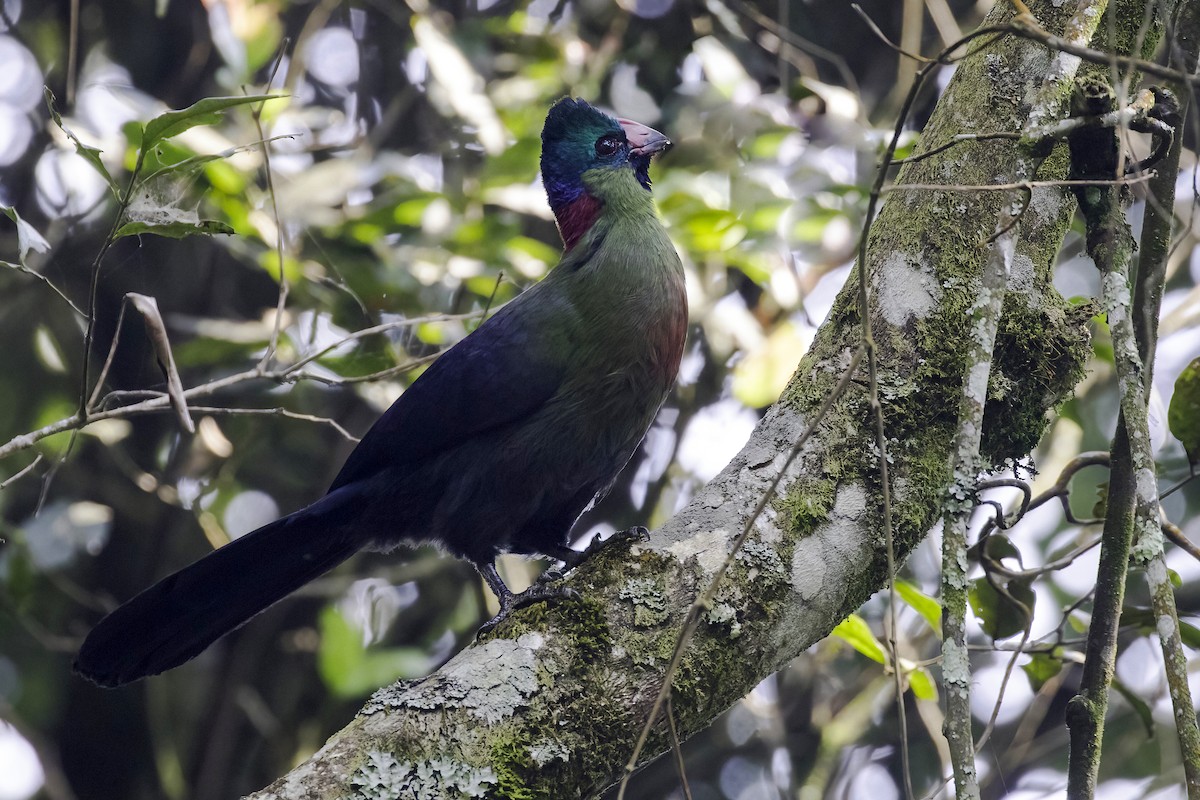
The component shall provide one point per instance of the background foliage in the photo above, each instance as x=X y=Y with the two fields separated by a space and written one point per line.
x=402 y=193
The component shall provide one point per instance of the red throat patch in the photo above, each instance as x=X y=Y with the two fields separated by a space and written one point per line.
x=576 y=218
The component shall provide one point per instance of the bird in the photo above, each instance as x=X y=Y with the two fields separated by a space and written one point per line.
x=499 y=446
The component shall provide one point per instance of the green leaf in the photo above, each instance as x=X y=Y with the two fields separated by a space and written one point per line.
x=357 y=364
x=1078 y=623
x=1140 y=706
x=1183 y=415
x=929 y=608
x=996 y=547
x=205 y=112
x=188 y=164
x=351 y=670
x=922 y=685
x=1041 y=668
x=999 y=616
x=854 y=631
x=206 y=351
x=1190 y=634
x=173 y=230
x=89 y=153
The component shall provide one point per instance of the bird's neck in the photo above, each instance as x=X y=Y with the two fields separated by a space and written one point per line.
x=611 y=193
x=576 y=217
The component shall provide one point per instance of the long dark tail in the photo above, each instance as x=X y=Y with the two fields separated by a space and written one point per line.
x=178 y=617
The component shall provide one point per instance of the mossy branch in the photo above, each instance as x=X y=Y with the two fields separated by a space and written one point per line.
x=1133 y=524
x=1147 y=301
x=1049 y=103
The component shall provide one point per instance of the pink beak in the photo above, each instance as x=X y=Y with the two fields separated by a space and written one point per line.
x=643 y=141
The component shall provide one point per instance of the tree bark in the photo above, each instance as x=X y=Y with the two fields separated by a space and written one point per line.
x=550 y=703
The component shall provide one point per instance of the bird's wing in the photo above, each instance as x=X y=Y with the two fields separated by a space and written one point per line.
x=495 y=376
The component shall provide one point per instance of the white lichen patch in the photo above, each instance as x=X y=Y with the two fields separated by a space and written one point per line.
x=1116 y=297
x=548 y=750
x=1020 y=279
x=725 y=614
x=1147 y=484
x=1046 y=203
x=649 y=604
x=956 y=667
x=492 y=680
x=709 y=547
x=851 y=502
x=1156 y=571
x=815 y=562
x=808 y=574
x=907 y=290
x=977 y=382
x=383 y=776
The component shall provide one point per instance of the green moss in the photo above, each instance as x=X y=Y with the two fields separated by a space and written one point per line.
x=916 y=508
x=711 y=676
x=516 y=771
x=581 y=619
x=806 y=503
x=537 y=760
x=652 y=651
x=1040 y=356
x=610 y=736
x=585 y=621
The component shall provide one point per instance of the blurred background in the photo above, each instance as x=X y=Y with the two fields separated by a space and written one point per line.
x=404 y=193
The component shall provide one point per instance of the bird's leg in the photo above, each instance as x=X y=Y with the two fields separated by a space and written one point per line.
x=510 y=602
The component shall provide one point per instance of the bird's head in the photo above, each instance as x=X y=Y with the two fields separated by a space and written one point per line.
x=579 y=142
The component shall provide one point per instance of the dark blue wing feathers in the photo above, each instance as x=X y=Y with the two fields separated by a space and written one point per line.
x=494 y=377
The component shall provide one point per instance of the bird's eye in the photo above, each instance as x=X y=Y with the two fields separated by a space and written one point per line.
x=607 y=145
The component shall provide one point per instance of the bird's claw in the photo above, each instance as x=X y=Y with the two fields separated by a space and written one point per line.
x=636 y=535
x=539 y=592
x=550 y=576
x=573 y=558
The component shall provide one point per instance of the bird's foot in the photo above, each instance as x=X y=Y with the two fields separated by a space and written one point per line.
x=573 y=558
x=638 y=534
x=630 y=536
x=539 y=592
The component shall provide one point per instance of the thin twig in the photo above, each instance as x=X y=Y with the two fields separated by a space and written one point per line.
x=1029 y=29
x=281 y=300
x=1019 y=185
x=1027 y=614
x=876 y=407
x=881 y=36
x=274 y=412
x=1133 y=492
x=154 y=401
x=677 y=750
x=39 y=276
x=4 y=484
x=956 y=140
x=112 y=352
